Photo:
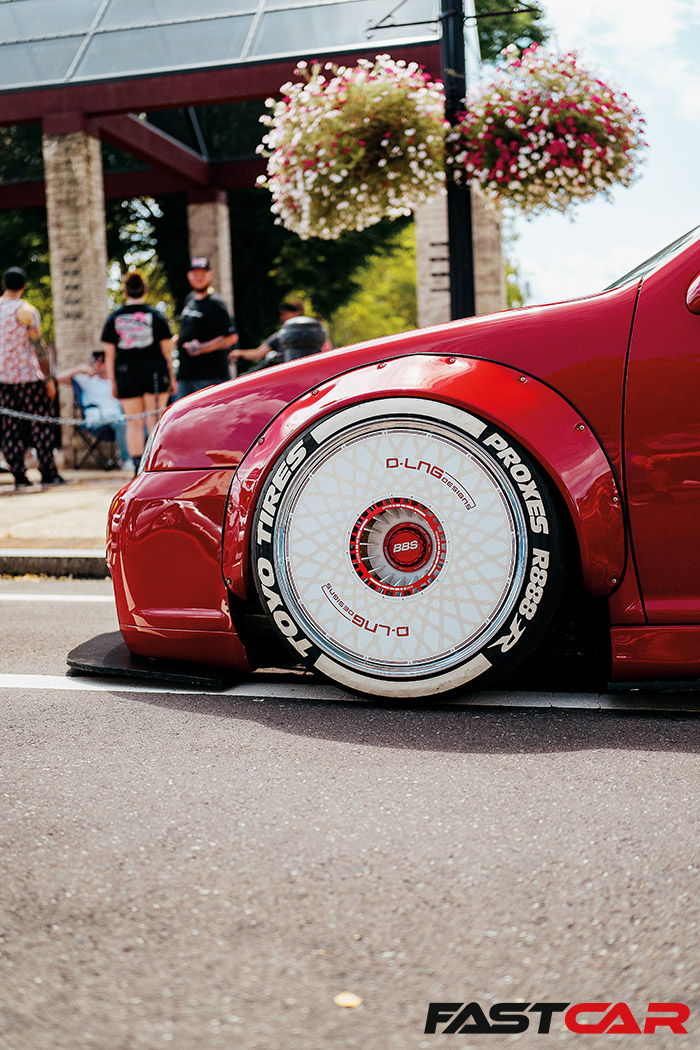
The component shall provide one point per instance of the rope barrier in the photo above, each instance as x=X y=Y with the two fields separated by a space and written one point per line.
x=72 y=421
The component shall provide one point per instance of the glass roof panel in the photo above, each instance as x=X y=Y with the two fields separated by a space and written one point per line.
x=34 y=19
x=129 y=14
x=332 y=26
x=153 y=50
x=39 y=61
x=310 y=28
x=67 y=41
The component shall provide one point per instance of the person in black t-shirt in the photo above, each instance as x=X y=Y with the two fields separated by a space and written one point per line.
x=137 y=343
x=207 y=333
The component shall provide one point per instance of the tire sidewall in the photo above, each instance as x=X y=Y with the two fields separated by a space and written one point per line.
x=530 y=609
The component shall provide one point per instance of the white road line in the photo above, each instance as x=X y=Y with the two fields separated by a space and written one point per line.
x=259 y=688
x=52 y=552
x=9 y=597
x=289 y=690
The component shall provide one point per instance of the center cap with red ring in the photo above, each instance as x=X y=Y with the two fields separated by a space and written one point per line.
x=398 y=546
x=408 y=546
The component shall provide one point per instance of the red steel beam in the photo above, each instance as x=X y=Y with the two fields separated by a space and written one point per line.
x=153 y=146
x=170 y=90
x=150 y=182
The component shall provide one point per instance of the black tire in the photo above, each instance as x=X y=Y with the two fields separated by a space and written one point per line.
x=404 y=548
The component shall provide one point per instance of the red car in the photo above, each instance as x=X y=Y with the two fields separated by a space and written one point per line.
x=411 y=513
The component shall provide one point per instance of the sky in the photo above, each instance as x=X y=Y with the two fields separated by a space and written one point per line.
x=651 y=50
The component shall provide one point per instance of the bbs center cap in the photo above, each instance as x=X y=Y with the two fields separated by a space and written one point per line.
x=398 y=546
x=408 y=547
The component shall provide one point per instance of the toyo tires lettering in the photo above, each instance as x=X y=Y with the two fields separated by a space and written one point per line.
x=266 y=518
x=266 y=575
x=521 y=475
x=265 y=571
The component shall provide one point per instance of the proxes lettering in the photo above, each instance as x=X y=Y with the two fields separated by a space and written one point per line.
x=523 y=478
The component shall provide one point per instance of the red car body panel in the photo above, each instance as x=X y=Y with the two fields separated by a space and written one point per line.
x=164 y=552
x=602 y=391
x=537 y=417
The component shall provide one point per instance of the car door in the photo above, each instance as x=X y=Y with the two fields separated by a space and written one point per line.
x=662 y=441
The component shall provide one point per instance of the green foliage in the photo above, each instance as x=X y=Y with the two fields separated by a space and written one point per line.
x=24 y=241
x=271 y=264
x=20 y=153
x=517 y=294
x=151 y=234
x=385 y=301
x=497 y=30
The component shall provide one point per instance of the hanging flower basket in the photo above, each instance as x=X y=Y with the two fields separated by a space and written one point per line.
x=346 y=151
x=545 y=134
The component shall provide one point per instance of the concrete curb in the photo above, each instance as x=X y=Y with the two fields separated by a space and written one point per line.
x=87 y=563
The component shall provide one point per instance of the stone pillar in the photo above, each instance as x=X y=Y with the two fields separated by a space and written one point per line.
x=489 y=264
x=210 y=234
x=75 y=212
x=433 y=260
x=77 y=239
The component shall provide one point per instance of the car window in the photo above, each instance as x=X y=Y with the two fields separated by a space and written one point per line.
x=650 y=264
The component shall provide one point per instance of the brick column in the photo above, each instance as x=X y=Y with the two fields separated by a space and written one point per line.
x=489 y=265
x=433 y=260
x=210 y=234
x=77 y=239
x=77 y=246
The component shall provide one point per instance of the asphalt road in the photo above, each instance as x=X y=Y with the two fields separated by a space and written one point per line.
x=211 y=871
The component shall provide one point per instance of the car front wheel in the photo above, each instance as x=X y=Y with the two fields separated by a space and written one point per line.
x=404 y=547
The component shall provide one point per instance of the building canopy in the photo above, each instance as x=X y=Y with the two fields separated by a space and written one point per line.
x=70 y=42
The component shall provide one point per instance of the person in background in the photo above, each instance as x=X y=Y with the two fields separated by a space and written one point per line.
x=138 y=360
x=26 y=384
x=288 y=309
x=99 y=403
x=293 y=322
x=207 y=333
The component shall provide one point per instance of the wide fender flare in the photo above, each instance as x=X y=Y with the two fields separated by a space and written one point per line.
x=516 y=403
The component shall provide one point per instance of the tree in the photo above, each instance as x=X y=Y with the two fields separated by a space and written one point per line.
x=497 y=30
x=271 y=264
x=385 y=301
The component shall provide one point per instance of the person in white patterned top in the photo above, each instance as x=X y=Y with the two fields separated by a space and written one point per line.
x=26 y=384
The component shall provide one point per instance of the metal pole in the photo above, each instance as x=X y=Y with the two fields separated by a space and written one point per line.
x=459 y=205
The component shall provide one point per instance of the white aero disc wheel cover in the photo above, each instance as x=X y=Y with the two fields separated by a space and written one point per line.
x=469 y=591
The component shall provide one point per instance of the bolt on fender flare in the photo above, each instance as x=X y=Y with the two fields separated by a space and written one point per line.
x=542 y=421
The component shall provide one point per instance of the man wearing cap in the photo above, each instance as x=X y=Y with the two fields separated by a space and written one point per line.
x=25 y=383
x=207 y=333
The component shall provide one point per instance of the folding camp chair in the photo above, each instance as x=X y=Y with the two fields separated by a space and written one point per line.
x=97 y=441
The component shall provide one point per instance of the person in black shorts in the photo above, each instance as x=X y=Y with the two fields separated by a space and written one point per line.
x=207 y=333
x=138 y=348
